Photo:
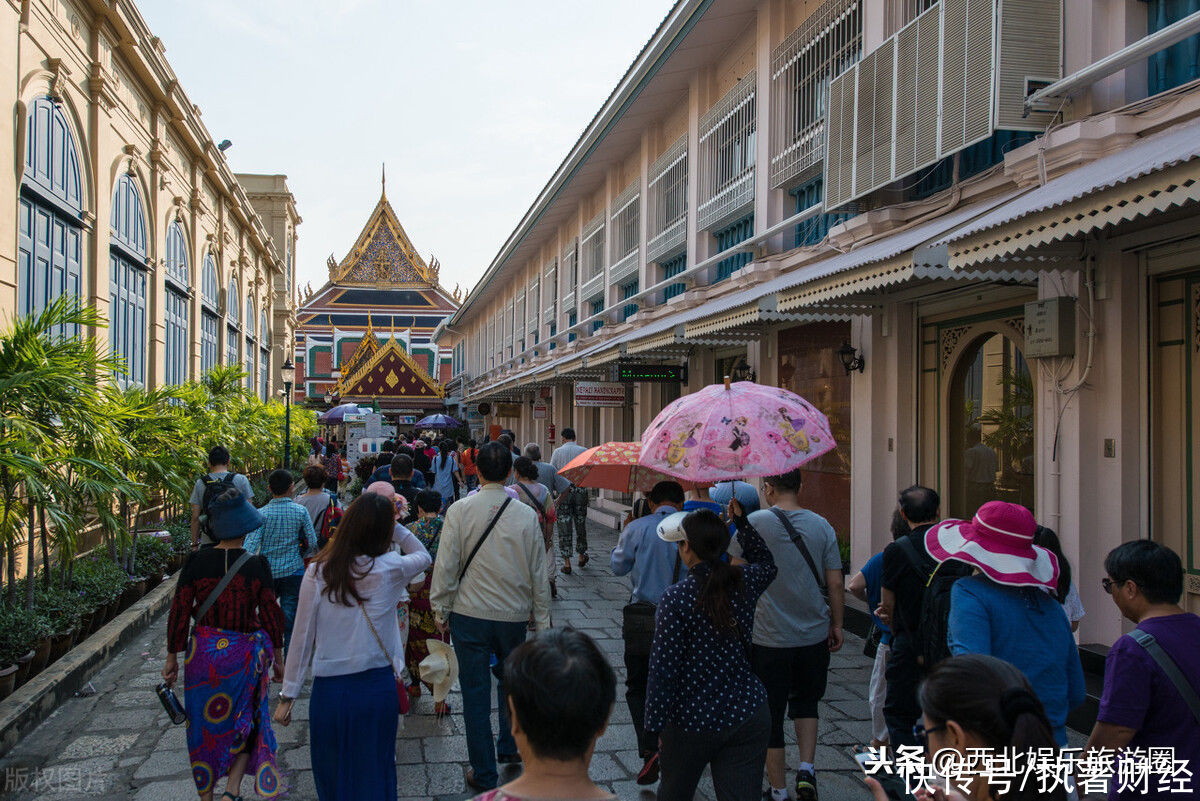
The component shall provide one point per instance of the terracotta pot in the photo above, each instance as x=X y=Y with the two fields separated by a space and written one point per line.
x=60 y=644
x=8 y=680
x=85 y=625
x=41 y=657
x=23 y=665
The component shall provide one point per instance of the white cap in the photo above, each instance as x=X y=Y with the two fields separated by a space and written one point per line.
x=671 y=527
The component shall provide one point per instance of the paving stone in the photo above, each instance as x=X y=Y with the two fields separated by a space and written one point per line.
x=166 y=791
x=408 y=752
x=299 y=758
x=853 y=708
x=412 y=780
x=447 y=778
x=162 y=763
x=300 y=785
x=108 y=721
x=92 y=745
x=445 y=749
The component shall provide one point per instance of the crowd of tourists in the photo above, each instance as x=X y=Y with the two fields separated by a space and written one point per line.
x=436 y=562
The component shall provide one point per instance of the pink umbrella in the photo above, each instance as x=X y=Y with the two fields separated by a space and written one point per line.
x=733 y=431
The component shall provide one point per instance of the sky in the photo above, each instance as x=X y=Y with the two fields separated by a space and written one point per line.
x=471 y=105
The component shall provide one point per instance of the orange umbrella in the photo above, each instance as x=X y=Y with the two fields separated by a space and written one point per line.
x=614 y=466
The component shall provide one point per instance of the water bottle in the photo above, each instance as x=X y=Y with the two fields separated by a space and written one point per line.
x=171 y=703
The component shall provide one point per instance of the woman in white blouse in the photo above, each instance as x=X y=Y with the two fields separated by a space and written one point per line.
x=346 y=628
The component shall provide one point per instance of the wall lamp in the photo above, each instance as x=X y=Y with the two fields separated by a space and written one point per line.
x=851 y=359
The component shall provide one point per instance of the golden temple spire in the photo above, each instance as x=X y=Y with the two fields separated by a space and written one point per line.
x=383 y=180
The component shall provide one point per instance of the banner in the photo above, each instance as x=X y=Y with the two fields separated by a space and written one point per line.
x=599 y=393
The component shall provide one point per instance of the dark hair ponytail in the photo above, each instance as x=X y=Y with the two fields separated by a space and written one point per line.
x=1046 y=538
x=993 y=700
x=708 y=538
x=445 y=447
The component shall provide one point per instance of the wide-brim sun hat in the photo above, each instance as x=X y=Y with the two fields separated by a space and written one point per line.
x=231 y=516
x=670 y=528
x=440 y=669
x=998 y=541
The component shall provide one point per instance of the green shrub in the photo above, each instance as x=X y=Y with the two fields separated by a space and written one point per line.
x=20 y=630
x=152 y=556
x=61 y=609
x=181 y=536
x=99 y=580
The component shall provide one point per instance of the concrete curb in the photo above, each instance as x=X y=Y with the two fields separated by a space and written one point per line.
x=32 y=703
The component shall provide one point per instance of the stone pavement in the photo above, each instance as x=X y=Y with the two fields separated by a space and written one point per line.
x=120 y=744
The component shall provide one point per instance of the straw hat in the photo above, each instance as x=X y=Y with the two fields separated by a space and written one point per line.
x=998 y=541
x=439 y=669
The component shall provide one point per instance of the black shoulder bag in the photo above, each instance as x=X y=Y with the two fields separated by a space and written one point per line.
x=798 y=541
x=486 y=532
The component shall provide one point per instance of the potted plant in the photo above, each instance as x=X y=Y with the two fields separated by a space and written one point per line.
x=18 y=633
x=153 y=553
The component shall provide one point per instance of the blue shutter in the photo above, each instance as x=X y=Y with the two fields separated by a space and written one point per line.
x=728 y=237
x=209 y=324
x=178 y=275
x=671 y=268
x=628 y=291
x=1180 y=62
x=128 y=281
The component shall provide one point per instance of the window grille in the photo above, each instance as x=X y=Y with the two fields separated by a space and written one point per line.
x=915 y=8
x=591 y=245
x=666 y=228
x=550 y=282
x=519 y=317
x=727 y=146
x=625 y=233
x=533 y=295
x=826 y=44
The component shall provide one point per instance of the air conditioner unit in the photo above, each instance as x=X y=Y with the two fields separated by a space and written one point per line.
x=950 y=78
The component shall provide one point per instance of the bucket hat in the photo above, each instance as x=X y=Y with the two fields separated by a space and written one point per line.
x=387 y=490
x=231 y=516
x=998 y=541
x=439 y=669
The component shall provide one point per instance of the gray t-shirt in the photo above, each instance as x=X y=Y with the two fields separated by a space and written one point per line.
x=793 y=612
x=239 y=481
x=315 y=504
x=564 y=453
x=549 y=478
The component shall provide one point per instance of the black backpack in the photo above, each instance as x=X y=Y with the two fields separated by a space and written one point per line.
x=934 y=626
x=213 y=489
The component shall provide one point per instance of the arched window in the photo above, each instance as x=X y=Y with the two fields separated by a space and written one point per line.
x=264 y=357
x=249 y=318
x=49 y=213
x=178 y=280
x=127 y=275
x=209 y=319
x=233 y=336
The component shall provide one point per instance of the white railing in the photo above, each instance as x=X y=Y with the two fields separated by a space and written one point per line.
x=591 y=248
x=727 y=150
x=592 y=287
x=623 y=269
x=625 y=233
x=828 y=42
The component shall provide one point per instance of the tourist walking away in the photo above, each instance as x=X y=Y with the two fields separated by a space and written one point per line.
x=217 y=481
x=974 y=702
x=470 y=472
x=286 y=537
x=1066 y=593
x=547 y=474
x=421 y=625
x=322 y=505
x=1152 y=674
x=401 y=478
x=346 y=632
x=490 y=575
x=404 y=542
x=652 y=564
x=555 y=725
x=702 y=696
x=423 y=462
x=383 y=463
x=230 y=655
x=1006 y=610
x=572 y=506
x=535 y=494
x=795 y=628
x=333 y=467
x=866 y=586
x=907 y=570
x=446 y=476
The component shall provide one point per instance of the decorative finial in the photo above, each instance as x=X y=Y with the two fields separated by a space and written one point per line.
x=391 y=327
x=383 y=179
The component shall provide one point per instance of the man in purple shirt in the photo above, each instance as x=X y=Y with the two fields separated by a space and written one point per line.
x=1141 y=707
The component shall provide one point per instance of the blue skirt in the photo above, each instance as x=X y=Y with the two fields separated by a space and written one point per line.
x=353 y=721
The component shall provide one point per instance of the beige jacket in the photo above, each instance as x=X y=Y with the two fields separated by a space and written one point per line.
x=507 y=578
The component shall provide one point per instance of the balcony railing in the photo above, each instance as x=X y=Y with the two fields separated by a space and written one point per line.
x=727 y=152
x=624 y=268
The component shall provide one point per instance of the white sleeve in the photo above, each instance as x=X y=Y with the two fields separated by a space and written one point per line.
x=1073 y=605
x=304 y=636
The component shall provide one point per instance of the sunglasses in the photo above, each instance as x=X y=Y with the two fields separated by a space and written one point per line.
x=1108 y=584
x=922 y=733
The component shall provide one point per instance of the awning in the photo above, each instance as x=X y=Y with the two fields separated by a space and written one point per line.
x=1151 y=175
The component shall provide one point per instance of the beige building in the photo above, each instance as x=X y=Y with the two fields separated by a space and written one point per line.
x=963 y=229
x=116 y=194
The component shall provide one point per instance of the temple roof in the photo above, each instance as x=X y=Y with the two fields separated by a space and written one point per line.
x=386 y=371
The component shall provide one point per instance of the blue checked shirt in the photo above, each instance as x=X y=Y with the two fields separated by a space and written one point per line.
x=284 y=521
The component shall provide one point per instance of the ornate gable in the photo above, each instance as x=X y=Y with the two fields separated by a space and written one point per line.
x=389 y=372
x=383 y=255
x=367 y=347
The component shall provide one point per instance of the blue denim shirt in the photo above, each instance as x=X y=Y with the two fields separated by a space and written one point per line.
x=652 y=565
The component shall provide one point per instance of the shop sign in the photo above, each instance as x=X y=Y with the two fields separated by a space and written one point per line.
x=508 y=410
x=599 y=393
x=540 y=410
x=650 y=373
x=407 y=420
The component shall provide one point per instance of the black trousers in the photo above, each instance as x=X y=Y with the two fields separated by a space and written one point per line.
x=638 y=632
x=901 y=709
x=737 y=756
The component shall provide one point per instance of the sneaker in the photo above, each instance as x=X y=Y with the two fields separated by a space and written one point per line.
x=806 y=786
x=649 y=772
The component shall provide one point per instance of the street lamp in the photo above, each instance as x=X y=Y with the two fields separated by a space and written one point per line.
x=288 y=373
x=851 y=359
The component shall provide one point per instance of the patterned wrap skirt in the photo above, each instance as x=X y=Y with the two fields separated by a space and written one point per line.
x=226 y=680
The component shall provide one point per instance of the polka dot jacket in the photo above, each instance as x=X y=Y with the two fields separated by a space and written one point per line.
x=700 y=679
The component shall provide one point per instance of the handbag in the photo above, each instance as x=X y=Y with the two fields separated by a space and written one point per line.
x=401 y=690
x=872 y=640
